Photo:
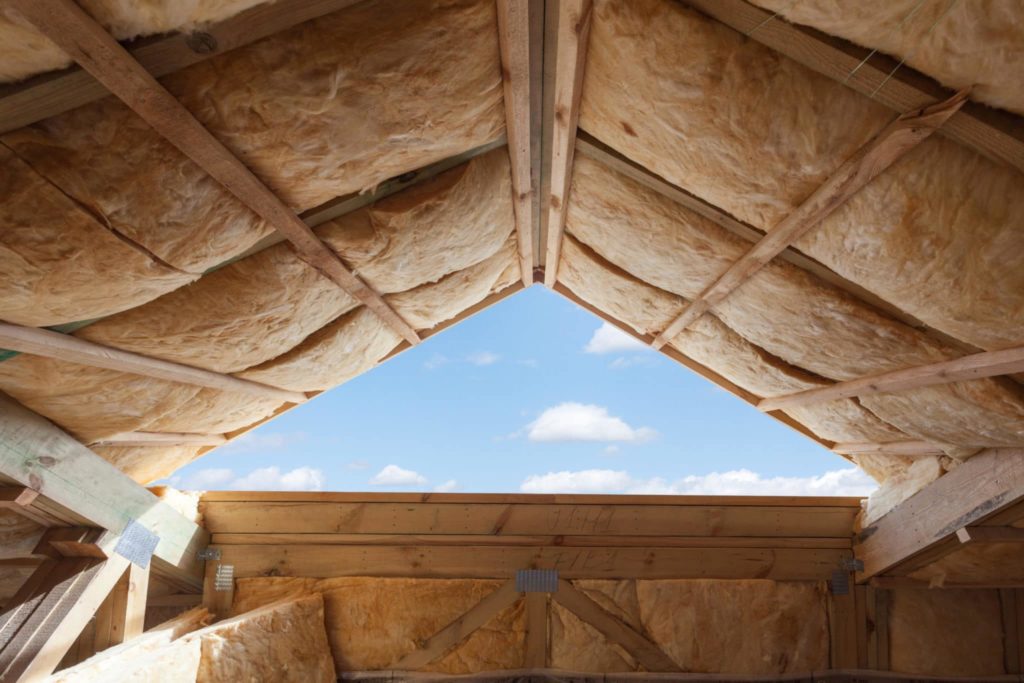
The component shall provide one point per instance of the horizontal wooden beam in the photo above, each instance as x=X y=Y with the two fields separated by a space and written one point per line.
x=434 y=647
x=618 y=632
x=887 y=147
x=995 y=134
x=912 y=448
x=53 y=93
x=990 y=534
x=987 y=484
x=488 y=562
x=534 y=541
x=78 y=34
x=974 y=366
x=498 y=519
x=161 y=439
x=42 y=342
x=37 y=454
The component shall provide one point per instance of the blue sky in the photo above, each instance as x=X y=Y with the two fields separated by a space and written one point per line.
x=534 y=394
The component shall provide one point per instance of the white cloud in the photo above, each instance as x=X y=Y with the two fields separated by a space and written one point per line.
x=449 y=485
x=393 y=475
x=611 y=450
x=482 y=358
x=256 y=441
x=358 y=465
x=623 y=362
x=610 y=339
x=845 y=482
x=584 y=422
x=435 y=361
x=262 y=479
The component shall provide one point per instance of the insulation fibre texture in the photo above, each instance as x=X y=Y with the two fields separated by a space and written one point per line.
x=372 y=623
x=977 y=44
x=789 y=313
x=146 y=464
x=940 y=234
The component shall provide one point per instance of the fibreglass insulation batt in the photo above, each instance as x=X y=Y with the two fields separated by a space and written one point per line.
x=61 y=264
x=146 y=464
x=26 y=52
x=372 y=623
x=786 y=311
x=712 y=344
x=899 y=486
x=341 y=103
x=939 y=234
x=443 y=225
x=977 y=44
x=946 y=632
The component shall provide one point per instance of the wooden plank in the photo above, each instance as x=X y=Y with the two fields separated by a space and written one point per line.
x=49 y=94
x=460 y=629
x=217 y=601
x=524 y=498
x=161 y=439
x=497 y=520
x=885 y=149
x=37 y=454
x=42 y=342
x=917 y=448
x=649 y=655
x=488 y=562
x=860 y=606
x=995 y=134
x=504 y=540
x=989 y=482
x=573 y=33
x=1020 y=629
x=1011 y=630
x=536 y=630
x=514 y=43
x=75 y=32
x=41 y=644
x=842 y=628
x=974 y=366
x=990 y=534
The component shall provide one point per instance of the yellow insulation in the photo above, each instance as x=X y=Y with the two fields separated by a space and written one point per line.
x=146 y=464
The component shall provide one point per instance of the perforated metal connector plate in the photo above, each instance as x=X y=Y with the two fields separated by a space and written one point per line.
x=839 y=584
x=537 y=580
x=224 y=578
x=137 y=544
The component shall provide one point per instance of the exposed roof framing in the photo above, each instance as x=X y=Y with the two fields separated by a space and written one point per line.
x=995 y=134
x=42 y=342
x=161 y=439
x=894 y=448
x=49 y=94
x=895 y=140
x=571 y=53
x=975 y=366
x=78 y=34
x=514 y=41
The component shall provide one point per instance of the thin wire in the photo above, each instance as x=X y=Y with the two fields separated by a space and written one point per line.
x=871 y=54
x=772 y=16
x=910 y=54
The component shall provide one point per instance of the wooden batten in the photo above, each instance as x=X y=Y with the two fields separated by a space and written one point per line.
x=161 y=439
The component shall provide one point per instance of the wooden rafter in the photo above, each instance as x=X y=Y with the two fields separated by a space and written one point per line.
x=37 y=454
x=571 y=52
x=50 y=94
x=42 y=342
x=161 y=439
x=892 y=448
x=536 y=630
x=478 y=615
x=514 y=41
x=975 y=366
x=923 y=528
x=989 y=534
x=895 y=140
x=995 y=134
x=78 y=34
x=649 y=655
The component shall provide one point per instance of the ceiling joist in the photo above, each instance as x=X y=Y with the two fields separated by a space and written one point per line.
x=571 y=52
x=895 y=140
x=995 y=134
x=42 y=342
x=78 y=34
x=975 y=366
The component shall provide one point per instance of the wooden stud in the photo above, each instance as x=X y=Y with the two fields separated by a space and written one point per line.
x=78 y=34
x=573 y=33
x=842 y=627
x=161 y=439
x=460 y=629
x=990 y=534
x=995 y=134
x=52 y=93
x=514 y=41
x=981 y=487
x=894 y=141
x=536 y=656
x=649 y=655
x=1012 y=639
x=37 y=454
x=217 y=601
x=42 y=342
x=974 y=366
x=860 y=605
